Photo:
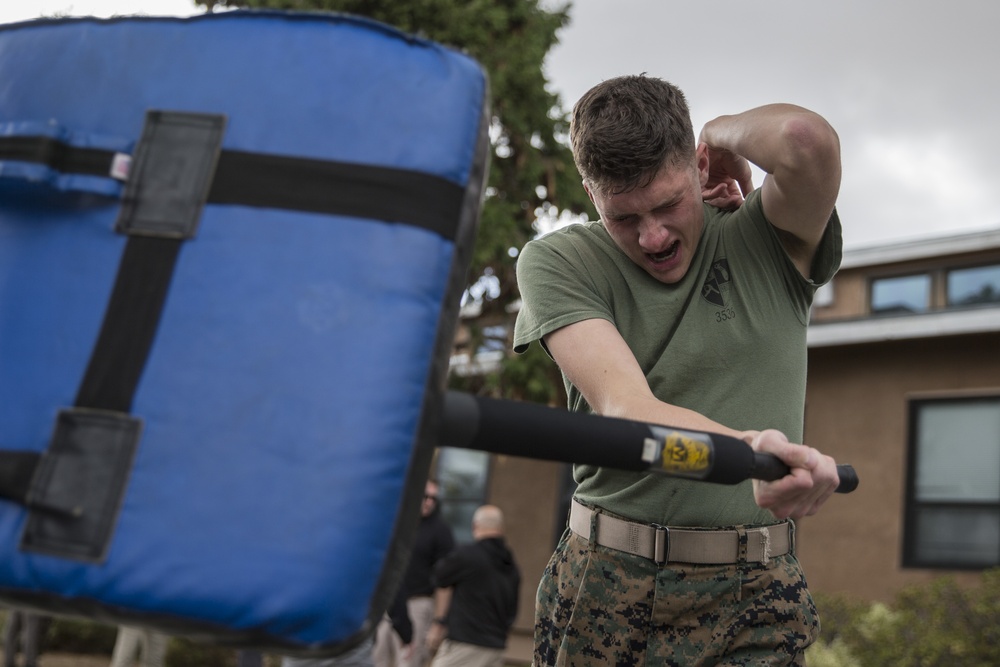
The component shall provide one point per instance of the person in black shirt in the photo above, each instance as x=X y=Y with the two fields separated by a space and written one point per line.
x=433 y=541
x=476 y=597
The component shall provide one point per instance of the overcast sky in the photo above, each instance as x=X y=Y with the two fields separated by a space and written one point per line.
x=911 y=86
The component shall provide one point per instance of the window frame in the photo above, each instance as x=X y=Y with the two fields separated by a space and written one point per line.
x=462 y=530
x=911 y=505
x=946 y=295
x=929 y=306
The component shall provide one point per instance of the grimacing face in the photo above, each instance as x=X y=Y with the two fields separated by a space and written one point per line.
x=658 y=226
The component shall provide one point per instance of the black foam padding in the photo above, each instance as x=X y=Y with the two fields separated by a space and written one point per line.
x=536 y=431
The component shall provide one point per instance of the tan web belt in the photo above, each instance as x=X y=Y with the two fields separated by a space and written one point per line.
x=662 y=544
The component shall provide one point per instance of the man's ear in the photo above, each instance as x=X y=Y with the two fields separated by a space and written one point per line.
x=586 y=186
x=702 y=162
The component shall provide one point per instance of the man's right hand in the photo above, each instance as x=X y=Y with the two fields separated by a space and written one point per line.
x=435 y=635
x=729 y=181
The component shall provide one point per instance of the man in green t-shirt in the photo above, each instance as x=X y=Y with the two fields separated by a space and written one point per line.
x=686 y=305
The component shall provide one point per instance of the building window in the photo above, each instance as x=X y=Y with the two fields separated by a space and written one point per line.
x=824 y=295
x=462 y=475
x=953 y=484
x=901 y=294
x=976 y=285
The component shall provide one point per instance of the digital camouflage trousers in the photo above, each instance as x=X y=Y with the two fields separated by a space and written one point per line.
x=598 y=606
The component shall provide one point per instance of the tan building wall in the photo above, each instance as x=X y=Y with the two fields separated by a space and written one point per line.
x=857 y=406
x=857 y=411
x=527 y=491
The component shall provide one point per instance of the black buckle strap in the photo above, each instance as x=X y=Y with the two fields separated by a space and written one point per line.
x=277 y=181
x=84 y=472
x=178 y=166
x=79 y=483
x=57 y=155
x=339 y=188
x=171 y=174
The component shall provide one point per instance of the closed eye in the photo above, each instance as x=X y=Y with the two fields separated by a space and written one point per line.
x=666 y=208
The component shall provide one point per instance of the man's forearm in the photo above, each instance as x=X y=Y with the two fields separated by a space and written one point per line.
x=800 y=152
x=442 y=602
x=778 y=138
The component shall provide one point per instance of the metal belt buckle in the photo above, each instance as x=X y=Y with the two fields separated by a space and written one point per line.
x=661 y=544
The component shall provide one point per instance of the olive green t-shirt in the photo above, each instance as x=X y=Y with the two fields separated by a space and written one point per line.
x=728 y=341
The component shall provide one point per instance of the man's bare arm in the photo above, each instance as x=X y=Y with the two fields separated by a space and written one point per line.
x=598 y=361
x=800 y=153
x=601 y=365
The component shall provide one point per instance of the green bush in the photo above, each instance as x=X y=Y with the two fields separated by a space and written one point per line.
x=830 y=654
x=86 y=637
x=185 y=653
x=839 y=615
x=71 y=635
x=940 y=624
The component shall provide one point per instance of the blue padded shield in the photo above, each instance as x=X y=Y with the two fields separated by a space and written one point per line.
x=231 y=254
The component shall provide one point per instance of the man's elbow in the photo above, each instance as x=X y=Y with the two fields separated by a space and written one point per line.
x=812 y=145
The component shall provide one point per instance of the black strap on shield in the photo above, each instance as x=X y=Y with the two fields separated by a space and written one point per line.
x=81 y=478
x=74 y=488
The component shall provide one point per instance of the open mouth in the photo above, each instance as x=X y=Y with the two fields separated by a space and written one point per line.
x=667 y=254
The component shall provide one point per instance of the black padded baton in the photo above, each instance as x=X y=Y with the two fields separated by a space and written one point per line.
x=535 y=431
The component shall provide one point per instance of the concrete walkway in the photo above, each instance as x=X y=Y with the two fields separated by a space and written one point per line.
x=73 y=660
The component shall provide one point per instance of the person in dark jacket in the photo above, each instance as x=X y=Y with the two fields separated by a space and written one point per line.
x=433 y=541
x=476 y=597
x=394 y=635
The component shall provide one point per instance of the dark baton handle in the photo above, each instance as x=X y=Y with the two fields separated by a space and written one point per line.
x=768 y=467
x=536 y=431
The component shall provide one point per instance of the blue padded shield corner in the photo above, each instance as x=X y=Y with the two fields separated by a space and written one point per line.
x=232 y=248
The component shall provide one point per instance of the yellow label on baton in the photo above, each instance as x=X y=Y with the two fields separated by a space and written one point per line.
x=682 y=454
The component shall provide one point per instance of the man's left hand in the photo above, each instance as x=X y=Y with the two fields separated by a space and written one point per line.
x=811 y=481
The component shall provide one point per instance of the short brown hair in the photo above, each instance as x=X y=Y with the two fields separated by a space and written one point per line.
x=624 y=130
